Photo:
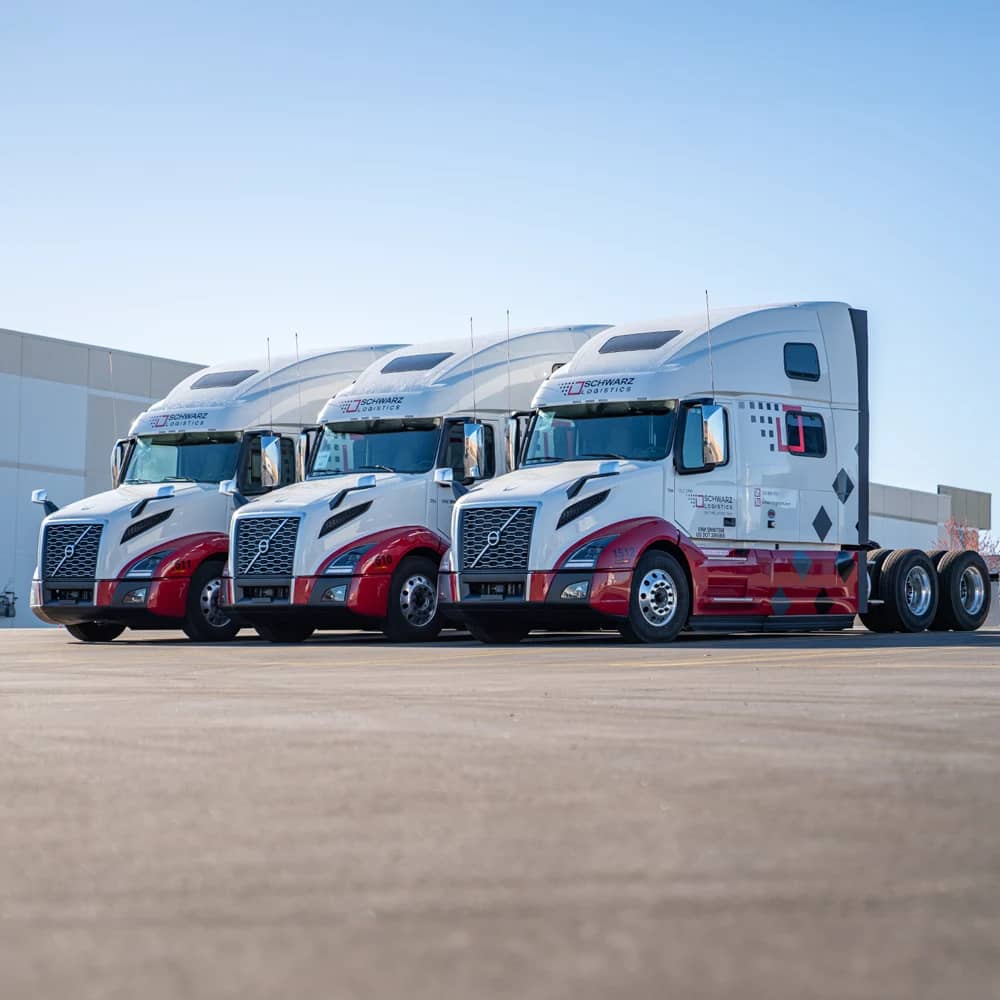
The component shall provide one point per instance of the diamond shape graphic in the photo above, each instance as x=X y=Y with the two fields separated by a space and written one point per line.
x=780 y=602
x=802 y=564
x=843 y=486
x=822 y=524
x=845 y=565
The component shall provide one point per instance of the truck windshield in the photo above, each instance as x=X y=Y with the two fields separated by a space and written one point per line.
x=377 y=446
x=179 y=458
x=639 y=431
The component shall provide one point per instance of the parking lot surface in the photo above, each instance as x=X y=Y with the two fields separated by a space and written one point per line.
x=725 y=817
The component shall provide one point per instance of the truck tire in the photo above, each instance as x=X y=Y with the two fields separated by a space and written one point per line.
x=284 y=631
x=498 y=635
x=909 y=587
x=877 y=618
x=412 y=615
x=964 y=589
x=95 y=631
x=936 y=555
x=203 y=619
x=660 y=602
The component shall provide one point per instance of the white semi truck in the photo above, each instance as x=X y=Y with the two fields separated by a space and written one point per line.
x=687 y=475
x=358 y=543
x=149 y=552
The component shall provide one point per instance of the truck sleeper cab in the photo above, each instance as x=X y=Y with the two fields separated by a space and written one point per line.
x=675 y=477
x=358 y=543
x=149 y=553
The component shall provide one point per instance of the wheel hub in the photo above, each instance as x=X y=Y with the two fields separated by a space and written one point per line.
x=972 y=591
x=918 y=590
x=209 y=604
x=418 y=600
x=657 y=597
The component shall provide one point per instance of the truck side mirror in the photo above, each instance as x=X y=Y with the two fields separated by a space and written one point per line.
x=474 y=452
x=118 y=455
x=270 y=461
x=231 y=489
x=304 y=448
x=42 y=497
x=512 y=442
x=444 y=477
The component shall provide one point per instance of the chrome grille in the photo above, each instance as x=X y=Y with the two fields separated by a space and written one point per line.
x=265 y=546
x=70 y=551
x=496 y=537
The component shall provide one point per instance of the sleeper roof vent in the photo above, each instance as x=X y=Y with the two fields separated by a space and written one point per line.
x=651 y=341
x=223 y=380
x=415 y=363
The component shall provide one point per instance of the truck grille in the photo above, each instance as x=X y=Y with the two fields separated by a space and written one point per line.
x=496 y=537
x=265 y=546
x=70 y=551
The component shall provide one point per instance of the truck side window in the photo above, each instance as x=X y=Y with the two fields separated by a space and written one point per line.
x=805 y=434
x=704 y=438
x=454 y=451
x=802 y=362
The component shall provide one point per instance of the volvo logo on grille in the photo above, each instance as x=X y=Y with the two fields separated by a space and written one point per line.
x=263 y=545
x=493 y=538
x=68 y=552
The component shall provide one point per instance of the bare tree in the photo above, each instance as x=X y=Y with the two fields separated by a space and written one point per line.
x=961 y=535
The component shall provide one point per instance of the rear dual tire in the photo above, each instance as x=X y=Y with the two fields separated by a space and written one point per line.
x=964 y=583
x=906 y=581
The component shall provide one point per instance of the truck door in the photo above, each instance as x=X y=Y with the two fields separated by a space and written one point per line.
x=709 y=508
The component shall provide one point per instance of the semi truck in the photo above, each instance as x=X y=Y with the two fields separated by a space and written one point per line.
x=357 y=544
x=149 y=552
x=706 y=472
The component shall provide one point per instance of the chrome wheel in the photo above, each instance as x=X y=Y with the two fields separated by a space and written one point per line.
x=919 y=591
x=208 y=601
x=418 y=600
x=972 y=591
x=657 y=597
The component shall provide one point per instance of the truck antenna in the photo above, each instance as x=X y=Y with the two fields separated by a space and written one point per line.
x=510 y=404
x=472 y=358
x=270 y=401
x=298 y=378
x=708 y=321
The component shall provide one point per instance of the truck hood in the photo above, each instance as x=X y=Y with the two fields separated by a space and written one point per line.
x=634 y=490
x=194 y=508
x=396 y=500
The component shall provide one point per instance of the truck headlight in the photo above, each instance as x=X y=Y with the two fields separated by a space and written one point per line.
x=147 y=566
x=587 y=555
x=346 y=562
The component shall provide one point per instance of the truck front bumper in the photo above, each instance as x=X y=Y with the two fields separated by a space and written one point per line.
x=134 y=603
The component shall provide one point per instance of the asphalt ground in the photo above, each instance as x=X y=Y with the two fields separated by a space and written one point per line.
x=725 y=817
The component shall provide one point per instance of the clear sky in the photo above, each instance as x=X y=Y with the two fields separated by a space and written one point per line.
x=187 y=179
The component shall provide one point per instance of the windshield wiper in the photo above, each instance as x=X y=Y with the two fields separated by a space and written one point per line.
x=137 y=482
x=603 y=454
x=540 y=459
x=179 y=479
x=374 y=468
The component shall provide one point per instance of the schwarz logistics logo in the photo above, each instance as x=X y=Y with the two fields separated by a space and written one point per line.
x=189 y=419
x=372 y=404
x=613 y=385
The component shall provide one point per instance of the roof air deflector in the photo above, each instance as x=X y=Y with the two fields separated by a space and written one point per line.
x=651 y=341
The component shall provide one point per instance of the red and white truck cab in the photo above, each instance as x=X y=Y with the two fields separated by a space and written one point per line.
x=682 y=474
x=357 y=544
x=149 y=552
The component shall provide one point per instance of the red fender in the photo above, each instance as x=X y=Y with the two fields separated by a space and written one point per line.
x=368 y=591
x=168 y=590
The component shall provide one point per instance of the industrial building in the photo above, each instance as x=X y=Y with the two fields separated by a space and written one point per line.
x=63 y=405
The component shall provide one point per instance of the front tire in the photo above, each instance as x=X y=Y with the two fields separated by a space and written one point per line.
x=413 y=615
x=660 y=602
x=204 y=620
x=95 y=631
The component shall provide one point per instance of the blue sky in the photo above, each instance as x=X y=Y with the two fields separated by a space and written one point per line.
x=188 y=179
